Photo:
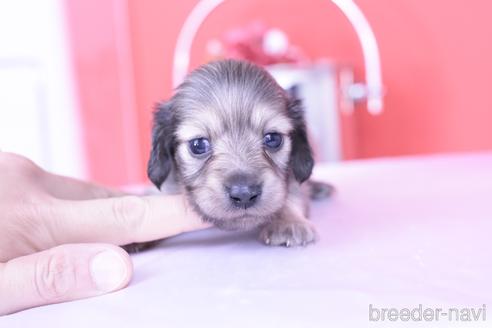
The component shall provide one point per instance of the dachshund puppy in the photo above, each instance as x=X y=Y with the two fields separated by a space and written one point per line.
x=235 y=143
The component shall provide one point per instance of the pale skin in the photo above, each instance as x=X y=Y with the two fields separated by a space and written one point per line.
x=59 y=236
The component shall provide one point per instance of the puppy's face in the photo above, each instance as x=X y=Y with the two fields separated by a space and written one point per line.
x=234 y=139
x=234 y=161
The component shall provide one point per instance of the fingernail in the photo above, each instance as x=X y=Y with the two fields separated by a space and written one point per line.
x=108 y=271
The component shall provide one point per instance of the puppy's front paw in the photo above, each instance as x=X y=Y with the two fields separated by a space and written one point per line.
x=288 y=233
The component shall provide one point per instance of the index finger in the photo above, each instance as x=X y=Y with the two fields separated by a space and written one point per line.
x=122 y=220
x=72 y=189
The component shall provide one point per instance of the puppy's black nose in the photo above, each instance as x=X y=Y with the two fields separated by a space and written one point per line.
x=243 y=190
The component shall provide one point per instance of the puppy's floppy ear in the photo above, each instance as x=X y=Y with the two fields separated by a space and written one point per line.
x=301 y=158
x=163 y=144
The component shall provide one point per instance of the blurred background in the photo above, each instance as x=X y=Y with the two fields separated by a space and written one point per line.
x=79 y=78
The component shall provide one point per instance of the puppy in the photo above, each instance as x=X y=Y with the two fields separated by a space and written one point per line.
x=235 y=143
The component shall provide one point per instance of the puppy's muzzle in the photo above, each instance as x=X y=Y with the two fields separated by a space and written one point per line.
x=243 y=189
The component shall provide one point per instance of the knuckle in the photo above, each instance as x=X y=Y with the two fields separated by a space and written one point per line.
x=131 y=212
x=16 y=161
x=55 y=275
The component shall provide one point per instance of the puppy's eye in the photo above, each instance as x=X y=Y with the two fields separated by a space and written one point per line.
x=199 y=146
x=272 y=140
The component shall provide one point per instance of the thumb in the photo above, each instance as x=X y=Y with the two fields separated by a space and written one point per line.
x=63 y=273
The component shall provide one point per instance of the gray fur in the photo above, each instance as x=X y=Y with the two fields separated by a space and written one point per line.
x=234 y=104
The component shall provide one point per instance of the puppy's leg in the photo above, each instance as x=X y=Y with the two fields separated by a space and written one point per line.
x=318 y=190
x=290 y=230
x=139 y=247
x=291 y=227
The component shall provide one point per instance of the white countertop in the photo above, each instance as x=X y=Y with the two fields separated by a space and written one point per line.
x=398 y=233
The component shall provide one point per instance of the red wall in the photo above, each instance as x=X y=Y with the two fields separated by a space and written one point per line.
x=103 y=69
x=436 y=60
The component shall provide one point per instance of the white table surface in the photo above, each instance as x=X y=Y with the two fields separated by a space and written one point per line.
x=398 y=233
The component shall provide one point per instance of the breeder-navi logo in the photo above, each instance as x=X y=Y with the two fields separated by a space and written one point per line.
x=428 y=314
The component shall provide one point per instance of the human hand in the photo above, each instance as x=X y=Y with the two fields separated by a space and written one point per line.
x=58 y=235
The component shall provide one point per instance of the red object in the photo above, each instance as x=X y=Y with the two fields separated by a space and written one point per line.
x=247 y=43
